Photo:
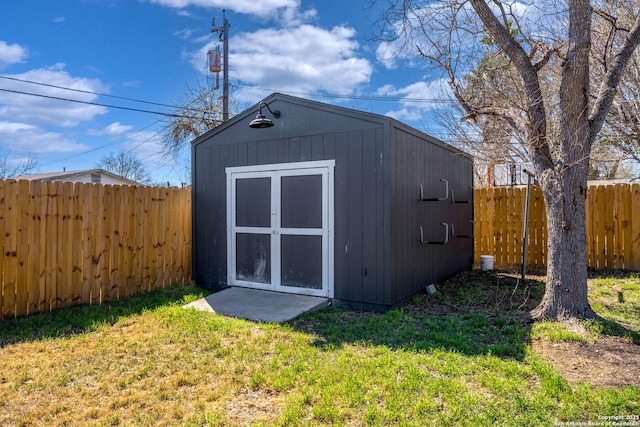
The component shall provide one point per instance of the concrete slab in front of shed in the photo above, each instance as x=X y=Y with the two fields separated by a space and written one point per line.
x=259 y=305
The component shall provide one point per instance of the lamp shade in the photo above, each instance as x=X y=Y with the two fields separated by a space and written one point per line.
x=260 y=122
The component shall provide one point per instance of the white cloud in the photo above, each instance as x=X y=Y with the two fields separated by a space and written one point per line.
x=114 y=129
x=185 y=33
x=147 y=147
x=131 y=83
x=416 y=98
x=41 y=110
x=305 y=58
x=25 y=138
x=251 y=7
x=423 y=90
x=12 y=54
x=405 y=114
x=386 y=54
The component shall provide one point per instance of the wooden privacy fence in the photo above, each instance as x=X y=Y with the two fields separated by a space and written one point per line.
x=65 y=244
x=613 y=233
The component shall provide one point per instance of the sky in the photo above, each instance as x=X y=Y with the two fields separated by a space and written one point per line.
x=116 y=53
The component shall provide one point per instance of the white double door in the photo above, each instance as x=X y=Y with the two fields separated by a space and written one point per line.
x=280 y=227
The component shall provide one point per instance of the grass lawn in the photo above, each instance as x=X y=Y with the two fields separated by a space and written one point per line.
x=459 y=357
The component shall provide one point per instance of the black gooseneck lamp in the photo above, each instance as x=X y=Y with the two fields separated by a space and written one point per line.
x=261 y=121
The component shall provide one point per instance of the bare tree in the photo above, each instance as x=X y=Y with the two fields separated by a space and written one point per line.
x=493 y=140
x=450 y=33
x=10 y=168
x=198 y=111
x=621 y=132
x=126 y=165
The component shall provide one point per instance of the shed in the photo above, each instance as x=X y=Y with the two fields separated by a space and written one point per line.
x=329 y=201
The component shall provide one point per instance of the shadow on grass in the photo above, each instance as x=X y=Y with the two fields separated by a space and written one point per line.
x=606 y=327
x=473 y=313
x=83 y=318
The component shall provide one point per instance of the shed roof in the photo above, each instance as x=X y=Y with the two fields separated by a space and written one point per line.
x=347 y=113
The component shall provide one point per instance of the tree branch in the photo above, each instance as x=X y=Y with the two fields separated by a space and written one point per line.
x=527 y=71
x=608 y=86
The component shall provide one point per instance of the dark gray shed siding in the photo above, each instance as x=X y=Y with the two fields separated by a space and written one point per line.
x=414 y=162
x=379 y=260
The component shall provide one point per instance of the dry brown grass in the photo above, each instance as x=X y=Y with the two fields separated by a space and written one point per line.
x=144 y=370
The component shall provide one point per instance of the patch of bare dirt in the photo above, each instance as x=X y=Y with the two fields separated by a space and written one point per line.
x=608 y=362
x=253 y=406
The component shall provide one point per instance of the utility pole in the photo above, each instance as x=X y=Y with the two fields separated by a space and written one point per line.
x=224 y=37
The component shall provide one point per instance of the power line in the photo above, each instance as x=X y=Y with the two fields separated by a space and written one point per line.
x=314 y=94
x=95 y=93
x=139 y=110
x=117 y=141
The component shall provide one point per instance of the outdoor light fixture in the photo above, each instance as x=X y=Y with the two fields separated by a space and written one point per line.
x=261 y=121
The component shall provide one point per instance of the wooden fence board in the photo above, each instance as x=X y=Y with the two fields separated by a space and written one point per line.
x=115 y=232
x=9 y=223
x=491 y=212
x=77 y=219
x=44 y=285
x=87 y=240
x=498 y=228
x=50 y=245
x=22 y=248
x=130 y=242
x=478 y=224
x=589 y=226
x=99 y=244
x=534 y=251
x=107 y=290
x=626 y=245
x=3 y=205
x=158 y=223
x=510 y=231
x=184 y=238
x=142 y=247
x=64 y=191
x=35 y=298
x=635 y=226
x=609 y=229
x=594 y=219
x=518 y=226
x=599 y=214
x=617 y=230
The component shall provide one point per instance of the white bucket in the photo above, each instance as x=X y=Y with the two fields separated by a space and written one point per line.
x=486 y=262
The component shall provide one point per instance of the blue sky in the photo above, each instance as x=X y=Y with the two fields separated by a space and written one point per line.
x=152 y=49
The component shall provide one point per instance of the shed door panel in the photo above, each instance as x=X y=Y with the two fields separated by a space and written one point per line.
x=279 y=229
x=253 y=202
x=301 y=201
x=253 y=257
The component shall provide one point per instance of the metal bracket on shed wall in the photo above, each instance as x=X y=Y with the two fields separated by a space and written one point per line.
x=469 y=236
x=435 y=199
x=446 y=236
x=460 y=201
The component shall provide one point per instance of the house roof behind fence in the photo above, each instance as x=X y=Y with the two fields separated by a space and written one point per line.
x=71 y=175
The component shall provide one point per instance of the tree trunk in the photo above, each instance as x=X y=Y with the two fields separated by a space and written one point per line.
x=565 y=295
x=564 y=186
